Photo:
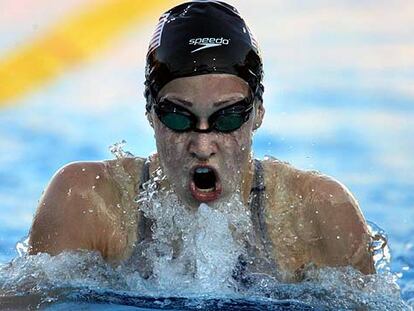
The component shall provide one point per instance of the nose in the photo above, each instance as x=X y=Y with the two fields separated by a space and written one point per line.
x=203 y=146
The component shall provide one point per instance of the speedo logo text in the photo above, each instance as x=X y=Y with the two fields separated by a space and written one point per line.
x=208 y=43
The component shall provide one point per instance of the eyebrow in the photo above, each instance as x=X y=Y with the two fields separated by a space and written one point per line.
x=218 y=104
x=190 y=104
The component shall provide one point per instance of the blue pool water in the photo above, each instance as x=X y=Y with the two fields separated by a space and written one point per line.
x=364 y=153
x=339 y=99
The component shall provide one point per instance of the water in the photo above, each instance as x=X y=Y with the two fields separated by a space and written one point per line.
x=84 y=277
x=338 y=99
x=197 y=279
x=192 y=257
x=70 y=280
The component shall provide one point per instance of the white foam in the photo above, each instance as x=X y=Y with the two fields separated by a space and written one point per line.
x=193 y=253
x=194 y=250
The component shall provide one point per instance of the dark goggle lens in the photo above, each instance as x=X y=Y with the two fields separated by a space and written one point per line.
x=228 y=122
x=176 y=121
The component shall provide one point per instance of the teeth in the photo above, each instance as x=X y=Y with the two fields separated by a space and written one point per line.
x=206 y=190
x=202 y=170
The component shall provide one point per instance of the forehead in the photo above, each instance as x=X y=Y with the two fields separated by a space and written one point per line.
x=206 y=87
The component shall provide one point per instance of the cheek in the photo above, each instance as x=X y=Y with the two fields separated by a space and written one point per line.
x=236 y=148
x=170 y=146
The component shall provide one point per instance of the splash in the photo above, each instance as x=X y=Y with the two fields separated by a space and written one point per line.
x=117 y=149
x=85 y=276
x=193 y=251
x=379 y=248
x=192 y=256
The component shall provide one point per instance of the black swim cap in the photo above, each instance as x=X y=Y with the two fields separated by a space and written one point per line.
x=202 y=37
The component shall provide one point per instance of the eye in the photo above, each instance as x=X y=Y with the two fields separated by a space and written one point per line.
x=229 y=122
x=174 y=116
x=176 y=121
x=232 y=117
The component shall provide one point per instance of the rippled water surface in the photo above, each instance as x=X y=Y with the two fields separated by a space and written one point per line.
x=339 y=99
x=201 y=276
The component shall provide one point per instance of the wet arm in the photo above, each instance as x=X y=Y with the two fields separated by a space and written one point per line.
x=343 y=230
x=69 y=215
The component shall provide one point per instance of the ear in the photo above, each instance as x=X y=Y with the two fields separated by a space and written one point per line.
x=260 y=111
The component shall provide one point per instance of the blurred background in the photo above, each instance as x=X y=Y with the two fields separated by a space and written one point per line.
x=339 y=98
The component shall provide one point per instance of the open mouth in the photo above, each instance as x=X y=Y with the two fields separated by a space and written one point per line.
x=205 y=185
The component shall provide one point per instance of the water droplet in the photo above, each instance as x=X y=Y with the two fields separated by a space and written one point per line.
x=316 y=212
x=97 y=177
x=84 y=169
x=90 y=211
x=93 y=187
x=338 y=237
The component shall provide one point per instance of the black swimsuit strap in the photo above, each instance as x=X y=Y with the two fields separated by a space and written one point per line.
x=257 y=209
x=144 y=224
x=258 y=247
x=257 y=202
x=258 y=187
x=145 y=174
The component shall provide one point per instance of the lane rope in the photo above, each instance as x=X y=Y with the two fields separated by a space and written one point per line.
x=76 y=38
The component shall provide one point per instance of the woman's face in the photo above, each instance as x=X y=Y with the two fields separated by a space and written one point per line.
x=211 y=166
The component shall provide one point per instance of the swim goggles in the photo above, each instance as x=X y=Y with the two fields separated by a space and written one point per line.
x=226 y=120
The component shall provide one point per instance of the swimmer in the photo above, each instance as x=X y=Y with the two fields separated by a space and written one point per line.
x=204 y=102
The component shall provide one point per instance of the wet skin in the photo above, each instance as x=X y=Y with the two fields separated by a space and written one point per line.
x=228 y=154
x=309 y=218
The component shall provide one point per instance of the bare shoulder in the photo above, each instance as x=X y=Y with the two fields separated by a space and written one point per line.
x=346 y=238
x=324 y=217
x=81 y=209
